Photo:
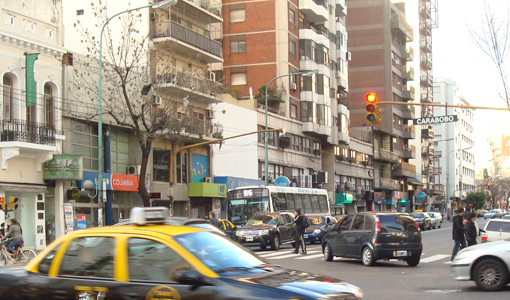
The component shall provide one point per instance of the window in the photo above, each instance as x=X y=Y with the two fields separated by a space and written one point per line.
x=182 y=167
x=238 y=46
x=291 y=206
x=345 y=224
x=49 y=109
x=161 y=165
x=89 y=257
x=152 y=261
x=292 y=47
x=237 y=15
x=358 y=223
x=293 y=111
x=7 y=98
x=80 y=12
x=44 y=265
x=238 y=79
x=287 y=218
x=315 y=203
x=307 y=204
x=84 y=143
x=306 y=145
x=292 y=16
x=119 y=151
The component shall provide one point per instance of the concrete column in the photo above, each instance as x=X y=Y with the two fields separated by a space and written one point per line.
x=59 y=209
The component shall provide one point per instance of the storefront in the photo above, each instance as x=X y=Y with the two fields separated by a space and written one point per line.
x=206 y=197
x=345 y=199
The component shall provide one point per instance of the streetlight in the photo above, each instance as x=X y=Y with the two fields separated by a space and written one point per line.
x=305 y=73
x=162 y=4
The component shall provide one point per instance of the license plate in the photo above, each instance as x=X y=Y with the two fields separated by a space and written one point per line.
x=305 y=236
x=401 y=253
x=249 y=238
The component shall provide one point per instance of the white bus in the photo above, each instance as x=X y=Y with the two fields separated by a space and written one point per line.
x=244 y=202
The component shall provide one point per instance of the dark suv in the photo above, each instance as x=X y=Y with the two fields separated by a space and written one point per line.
x=267 y=229
x=371 y=236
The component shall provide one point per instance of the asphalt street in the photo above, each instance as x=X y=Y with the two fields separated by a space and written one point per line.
x=431 y=279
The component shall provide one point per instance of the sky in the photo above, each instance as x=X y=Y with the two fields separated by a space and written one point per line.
x=456 y=56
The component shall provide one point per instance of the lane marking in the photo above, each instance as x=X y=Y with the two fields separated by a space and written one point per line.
x=448 y=263
x=310 y=256
x=281 y=252
x=292 y=255
x=434 y=258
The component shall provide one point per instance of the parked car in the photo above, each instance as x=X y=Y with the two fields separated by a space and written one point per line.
x=317 y=229
x=422 y=219
x=267 y=229
x=371 y=236
x=435 y=221
x=485 y=264
x=496 y=230
x=494 y=213
x=480 y=213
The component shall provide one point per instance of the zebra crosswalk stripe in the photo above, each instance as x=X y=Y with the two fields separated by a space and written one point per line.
x=434 y=258
x=310 y=256
x=292 y=254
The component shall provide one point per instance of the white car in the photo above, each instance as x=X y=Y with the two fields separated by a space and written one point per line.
x=496 y=230
x=485 y=264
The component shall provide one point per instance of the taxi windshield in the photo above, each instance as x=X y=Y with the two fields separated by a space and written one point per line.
x=218 y=253
x=259 y=219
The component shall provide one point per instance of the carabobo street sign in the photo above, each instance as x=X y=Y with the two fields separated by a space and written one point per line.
x=435 y=120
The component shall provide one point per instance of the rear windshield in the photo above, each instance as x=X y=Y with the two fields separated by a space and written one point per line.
x=498 y=226
x=395 y=223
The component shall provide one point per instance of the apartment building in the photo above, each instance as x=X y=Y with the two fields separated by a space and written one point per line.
x=454 y=144
x=378 y=38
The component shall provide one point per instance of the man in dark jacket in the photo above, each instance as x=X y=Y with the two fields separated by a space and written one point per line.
x=300 y=222
x=212 y=219
x=471 y=230
x=458 y=232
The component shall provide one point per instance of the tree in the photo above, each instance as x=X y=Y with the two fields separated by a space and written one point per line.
x=274 y=96
x=492 y=37
x=134 y=72
x=498 y=187
x=476 y=200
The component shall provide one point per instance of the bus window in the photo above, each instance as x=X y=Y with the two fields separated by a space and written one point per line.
x=323 y=203
x=307 y=204
x=298 y=198
x=281 y=201
x=290 y=202
x=315 y=204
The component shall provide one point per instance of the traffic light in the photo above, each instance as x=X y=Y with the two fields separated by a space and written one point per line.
x=373 y=109
x=489 y=186
x=2 y=203
x=13 y=203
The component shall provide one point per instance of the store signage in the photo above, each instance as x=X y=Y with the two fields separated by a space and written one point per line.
x=206 y=189
x=282 y=181
x=435 y=120
x=68 y=215
x=114 y=182
x=81 y=221
x=75 y=194
x=421 y=196
x=63 y=167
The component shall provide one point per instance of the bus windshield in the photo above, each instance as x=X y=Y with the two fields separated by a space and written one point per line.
x=246 y=202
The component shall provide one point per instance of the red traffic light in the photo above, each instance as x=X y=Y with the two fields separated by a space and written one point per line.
x=488 y=185
x=370 y=97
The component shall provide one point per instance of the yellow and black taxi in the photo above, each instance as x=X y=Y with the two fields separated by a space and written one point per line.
x=151 y=260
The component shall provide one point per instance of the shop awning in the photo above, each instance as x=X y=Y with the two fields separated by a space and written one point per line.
x=343 y=198
x=414 y=181
x=207 y=190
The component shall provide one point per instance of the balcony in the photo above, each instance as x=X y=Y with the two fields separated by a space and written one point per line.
x=437 y=170
x=425 y=10
x=408 y=94
x=408 y=76
x=438 y=153
x=409 y=132
x=203 y=88
x=404 y=170
x=426 y=150
x=204 y=10
x=425 y=28
x=409 y=152
x=425 y=63
x=343 y=137
x=400 y=24
x=387 y=184
x=427 y=133
x=425 y=45
x=316 y=11
x=408 y=55
x=382 y=155
x=316 y=129
x=188 y=41
x=426 y=98
x=437 y=189
x=408 y=112
x=27 y=139
x=426 y=80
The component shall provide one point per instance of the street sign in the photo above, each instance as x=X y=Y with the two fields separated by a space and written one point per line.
x=282 y=181
x=435 y=120
x=421 y=196
x=75 y=194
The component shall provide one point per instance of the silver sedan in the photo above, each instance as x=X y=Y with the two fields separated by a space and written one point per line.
x=486 y=264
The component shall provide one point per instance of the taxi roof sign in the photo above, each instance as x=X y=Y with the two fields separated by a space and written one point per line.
x=149 y=215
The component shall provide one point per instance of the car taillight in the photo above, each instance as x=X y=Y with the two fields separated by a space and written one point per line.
x=415 y=223
x=484 y=238
x=377 y=225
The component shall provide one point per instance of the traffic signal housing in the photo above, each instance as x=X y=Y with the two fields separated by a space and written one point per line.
x=373 y=109
x=489 y=186
x=2 y=203
x=13 y=203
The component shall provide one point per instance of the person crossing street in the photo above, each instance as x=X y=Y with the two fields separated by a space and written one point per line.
x=458 y=232
x=300 y=222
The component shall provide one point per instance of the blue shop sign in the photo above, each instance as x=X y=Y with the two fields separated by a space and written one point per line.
x=237 y=182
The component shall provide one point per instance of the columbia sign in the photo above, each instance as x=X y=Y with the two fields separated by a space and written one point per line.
x=435 y=120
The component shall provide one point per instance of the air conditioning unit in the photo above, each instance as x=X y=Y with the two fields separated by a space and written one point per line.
x=359 y=190
x=348 y=185
x=305 y=181
x=209 y=114
x=156 y=100
x=308 y=181
x=133 y=169
x=293 y=86
x=349 y=56
x=208 y=179
x=153 y=16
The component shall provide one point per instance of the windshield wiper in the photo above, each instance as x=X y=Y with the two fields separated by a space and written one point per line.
x=233 y=269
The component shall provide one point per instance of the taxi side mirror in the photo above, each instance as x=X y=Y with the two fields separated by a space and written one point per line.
x=191 y=277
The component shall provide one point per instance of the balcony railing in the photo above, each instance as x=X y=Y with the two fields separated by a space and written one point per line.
x=202 y=128
x=190 y=80
x=387 y=184
x=385 y=155
x=28 y=132
x=399 y=22
x=188 y=36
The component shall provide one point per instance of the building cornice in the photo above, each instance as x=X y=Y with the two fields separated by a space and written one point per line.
x=30 y=44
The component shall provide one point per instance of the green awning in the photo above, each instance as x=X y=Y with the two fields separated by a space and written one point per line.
x=415 y=181
x=343 y=198
x=206 y=189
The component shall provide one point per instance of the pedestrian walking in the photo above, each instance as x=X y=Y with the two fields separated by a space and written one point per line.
x=213 y=220
x=300 y=222
x=471 y=230
x=458 y=232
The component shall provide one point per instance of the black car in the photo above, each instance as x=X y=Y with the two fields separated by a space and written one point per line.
x=267 y=229
x=423 y=220
x=371 y=236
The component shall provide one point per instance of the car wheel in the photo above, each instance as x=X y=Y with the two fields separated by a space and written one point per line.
x=367 y=257
x=275 y=242
x=490 y=275
x=413 y=261
x=263 y=247
x=328 y=255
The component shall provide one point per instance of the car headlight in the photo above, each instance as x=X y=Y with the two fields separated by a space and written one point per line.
x=317 y=231
x=264 y=232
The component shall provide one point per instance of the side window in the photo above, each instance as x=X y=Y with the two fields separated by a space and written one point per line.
x=152 y=261
x=323 y=202
x=89 y=257
x=44 y=266
x=369 y=223
x=280 y=219
x=281 y=201
x=298 y=198
x=333 y=220
x=345 y=224
x=315 y=203
x=359 y=223
x=290 y=202
x=288 y=219
x=228 y=226
x=307 y=204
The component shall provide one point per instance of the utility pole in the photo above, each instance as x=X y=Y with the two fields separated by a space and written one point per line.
x=428 y=172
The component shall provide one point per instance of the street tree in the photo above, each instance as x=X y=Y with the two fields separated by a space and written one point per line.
x=492 y=37
x=133 y=72
x=476 y=200
x=498 y=187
